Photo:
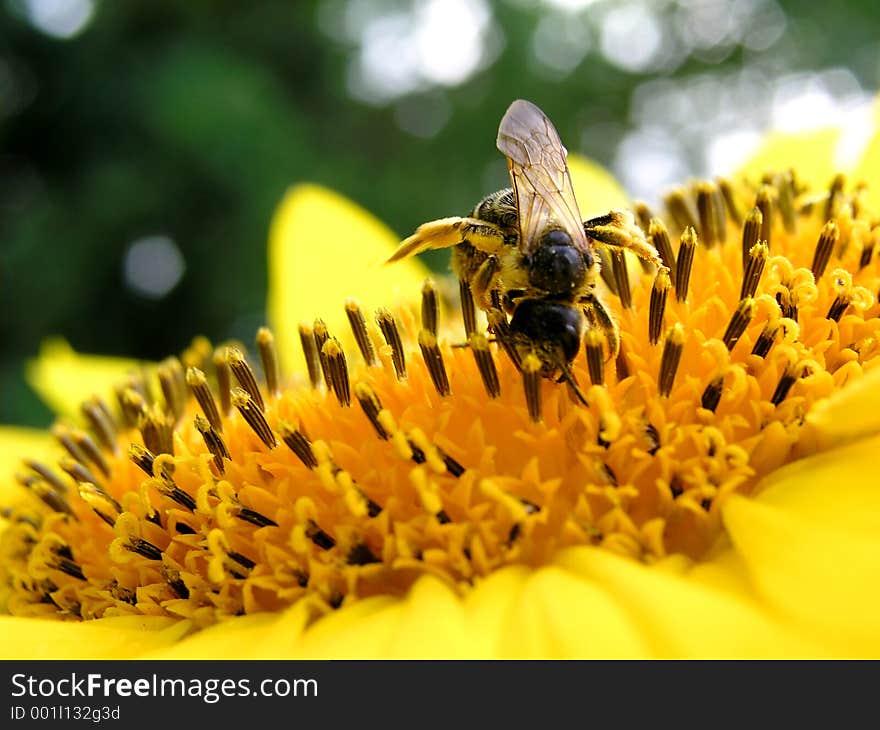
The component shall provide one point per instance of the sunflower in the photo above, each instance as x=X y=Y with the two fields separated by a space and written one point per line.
x=398 y=498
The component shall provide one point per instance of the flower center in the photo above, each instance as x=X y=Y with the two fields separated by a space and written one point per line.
x=219 y=493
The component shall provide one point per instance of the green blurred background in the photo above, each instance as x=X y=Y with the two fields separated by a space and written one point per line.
x=145 y=143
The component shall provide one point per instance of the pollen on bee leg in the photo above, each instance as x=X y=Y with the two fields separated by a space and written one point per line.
x=214 y=442
x=479 y=346
x=672 y=349
x=430 y=307
x=657 y=309
x=685 y=262
x=224 y=380
x=388 y=326
x=337 y=371
x=253 y=416
x=531 y=372
x=198 y=384
x=468 y=309
x=245 y=376
x=434 y=362
x=310 y=352
x=739 y=320
x=660 y=239
x=268 y=359
x=621 y=278
x=764 y=203
x=359 y=329
x=595 y=356
x=679 y=209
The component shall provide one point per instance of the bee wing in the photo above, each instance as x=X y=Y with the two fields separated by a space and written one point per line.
x=539 y=172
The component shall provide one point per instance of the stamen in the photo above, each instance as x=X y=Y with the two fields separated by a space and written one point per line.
x=255 y=518
x=868 y=248
x=595 y=356
x=167 y=487
x=434 y=361
x=834 y=193
x=468 y=310
x=621 y=365
x=479 y=345
x=371 y=406
x=76 y=471
x=660 y=239
x=765 y=339
x=359 y=330
x=173 y=385
x=729 y=200
x=214 y=442
x=500 y=327
x=310 y=350
x=254 y=417
x=739 y=320
x=787 y=379
x=157 y=430
x=753 y=269
x=142 y=457
x=621 y=278
x=197 y=354
x=321 y=336
x=198 y=383
x=245 y=376
x=827 y=241
x=318 y=536
x=387 y=324
x=133 y=406
x=764 y=203
x=712 y=394
x=298 y=443
x=643 y=215
x=785 y=198
x=710 y=213
x=685 y=262
x=430 y=307
x=679 y=209
x=672 y=350
x=107 y=508
x=268 y=359
x=659 y=293
x=337 y=371
x=839 y=305
x=64 y=436
x=751 y=233
x=224 y=380
x=531 y=371
x=97 y=414
x=50 y=497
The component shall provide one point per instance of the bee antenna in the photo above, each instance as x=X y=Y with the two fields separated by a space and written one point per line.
x=568 y=376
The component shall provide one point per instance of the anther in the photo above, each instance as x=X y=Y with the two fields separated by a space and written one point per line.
x=64 y=437
x=359 y=330
x=621 y=363
x=764 y=203
x=531 y=372
x=468 y=310
x=479 y=346
x=430 y=306
x=672 y=349
x=255 y=518
x=785 y=197
x=198 y=354
x=679 y=209
x=318 y=536
x=710 y=213
x=834 y=192
x=753 y=269
x=739 y=320
x=321 y=335
x=371 y=406
x=76 y=471
x=214 y=442
x=142 y=457
x=685 y=262
x=253 y=415
x=500 y=327
x=388 y=325
x=595 y=356
x=134 y=406
x=48 y=475
x=170 y=377
x=659 y=293
x=268 y=359
x=51 y=498
x=157 y=430
x=92 y=452
x=868 y=249
x=434 y=362
x=107 y=508
x=765 y=339
x=660 y=239
x=827 y=241
x=839 y=305
x=224 y=380
x=751 y=233
x=298 y=443
x=712 y=394
x=621 y=277
x=245 y=376
x=337 y=371
x=96 y=414
x=785 y=382
x=310 y=351
x=729 y=200
x=198 y=384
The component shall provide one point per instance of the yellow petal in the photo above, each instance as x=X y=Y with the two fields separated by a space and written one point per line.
x=122 y=637
x=364 y=630
x=64 y=378
x=324 y=249
x=824 y=578
x=680 y=618
x=595 y=188
x=813 y=151
x=868 y=167
x=16 y=444
x=850 y=413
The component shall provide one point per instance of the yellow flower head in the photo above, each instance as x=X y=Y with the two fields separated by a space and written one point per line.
x=401 y=500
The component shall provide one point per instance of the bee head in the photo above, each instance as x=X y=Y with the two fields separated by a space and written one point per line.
x=550 y=329
x=557 y=266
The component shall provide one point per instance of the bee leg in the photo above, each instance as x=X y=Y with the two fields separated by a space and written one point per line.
x=500 y=327
x=448 y=232
x=599 y=317
x=619 y=230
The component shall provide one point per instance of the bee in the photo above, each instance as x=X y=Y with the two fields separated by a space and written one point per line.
x=526 y=257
